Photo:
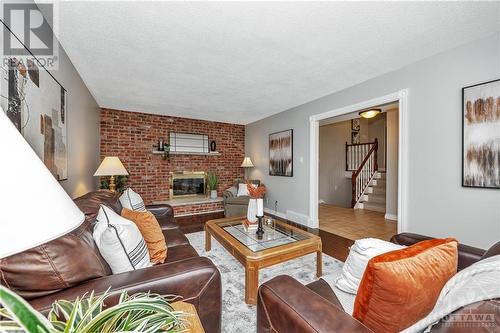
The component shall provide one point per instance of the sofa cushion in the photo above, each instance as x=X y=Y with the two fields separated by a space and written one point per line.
x=133 y=201
x=53 y=266
x=174 y=237
x=322 y=288
x=120 y=242
x=151 y=231
x=406 y=281
x=238 y=200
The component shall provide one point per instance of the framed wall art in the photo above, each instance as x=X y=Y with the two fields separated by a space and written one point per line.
x=281 y=153
x=481 y=135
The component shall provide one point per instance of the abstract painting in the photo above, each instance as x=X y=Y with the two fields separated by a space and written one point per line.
x=281 y=153
x=481 y=135
x=35 y=102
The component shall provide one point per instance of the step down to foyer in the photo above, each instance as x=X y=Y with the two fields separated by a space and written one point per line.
x=374 y=197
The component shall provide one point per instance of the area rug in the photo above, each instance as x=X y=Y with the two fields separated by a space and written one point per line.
x=237 y=316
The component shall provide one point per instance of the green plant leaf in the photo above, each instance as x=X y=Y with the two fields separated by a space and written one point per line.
x=23 y=313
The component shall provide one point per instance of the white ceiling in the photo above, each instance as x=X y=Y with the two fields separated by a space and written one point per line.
x=242 y=61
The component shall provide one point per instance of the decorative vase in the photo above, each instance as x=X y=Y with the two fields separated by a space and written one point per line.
x=252 y=211
x=213 y=194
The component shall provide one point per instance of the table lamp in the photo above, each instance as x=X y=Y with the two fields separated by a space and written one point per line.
x=247 y=163
x=111 y=166
x=36 y=209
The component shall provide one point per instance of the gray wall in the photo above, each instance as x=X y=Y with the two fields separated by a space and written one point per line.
x=391 y=187
x=437 y=204
x=83 y=129
x=334 y=187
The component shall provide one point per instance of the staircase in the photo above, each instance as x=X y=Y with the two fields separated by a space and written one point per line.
x=374 y=197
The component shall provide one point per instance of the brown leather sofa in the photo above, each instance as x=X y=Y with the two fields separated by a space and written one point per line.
x=286 y=305
x=71 y=266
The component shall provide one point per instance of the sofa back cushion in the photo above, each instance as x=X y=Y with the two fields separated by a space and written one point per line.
x=63 y=262
x=401 y=287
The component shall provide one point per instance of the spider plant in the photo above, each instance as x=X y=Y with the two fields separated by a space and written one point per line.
x=143 y=312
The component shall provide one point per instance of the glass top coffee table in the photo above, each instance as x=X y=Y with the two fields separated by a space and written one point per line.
x=279 y=243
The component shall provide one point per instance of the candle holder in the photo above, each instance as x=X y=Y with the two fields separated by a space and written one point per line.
x=260 y=229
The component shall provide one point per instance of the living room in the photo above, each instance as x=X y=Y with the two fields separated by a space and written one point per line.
x=172 y=151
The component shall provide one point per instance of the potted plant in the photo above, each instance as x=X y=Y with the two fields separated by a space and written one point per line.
x=213 y=183
x=143 y=312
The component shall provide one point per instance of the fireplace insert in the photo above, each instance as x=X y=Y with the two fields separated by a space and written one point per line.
x=187 y=184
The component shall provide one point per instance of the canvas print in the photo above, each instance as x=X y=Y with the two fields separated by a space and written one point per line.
x=355 y=138
x=355 y=124
x=481 y=135
x=281 y=153
x=36 y=103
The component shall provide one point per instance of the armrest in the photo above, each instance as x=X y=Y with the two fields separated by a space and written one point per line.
x=164 y=214
x=467 y=255
x=285 y=305
x=196 y=280
x=227 y=194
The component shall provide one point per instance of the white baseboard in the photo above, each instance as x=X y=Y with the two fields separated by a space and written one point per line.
x=391 y=217
x=290 y=215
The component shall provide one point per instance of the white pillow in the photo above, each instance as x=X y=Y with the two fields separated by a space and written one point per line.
x=133 y=201
x=354 y=267
x=243 y=190
x=120 y=242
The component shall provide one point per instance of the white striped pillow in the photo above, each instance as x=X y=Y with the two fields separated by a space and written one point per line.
x=133 y=201
x=120 y=242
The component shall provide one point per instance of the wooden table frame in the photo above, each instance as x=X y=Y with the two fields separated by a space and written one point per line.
x=253 y=261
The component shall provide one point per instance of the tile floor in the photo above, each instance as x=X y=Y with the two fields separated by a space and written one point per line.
x=355 y=224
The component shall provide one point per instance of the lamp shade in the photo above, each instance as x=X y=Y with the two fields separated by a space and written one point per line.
x=35 y=208
x=111 y=166
x=247 y=163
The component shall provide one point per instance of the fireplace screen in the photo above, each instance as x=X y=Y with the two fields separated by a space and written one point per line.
x=187 y=184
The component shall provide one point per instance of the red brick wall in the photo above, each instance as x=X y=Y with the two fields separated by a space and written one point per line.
x=198 y=208
x=132 y=136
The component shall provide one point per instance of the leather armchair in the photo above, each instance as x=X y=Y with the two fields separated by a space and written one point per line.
x=286 y=305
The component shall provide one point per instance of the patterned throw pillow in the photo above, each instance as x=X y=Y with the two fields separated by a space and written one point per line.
x=120 y=242
x=133 y=201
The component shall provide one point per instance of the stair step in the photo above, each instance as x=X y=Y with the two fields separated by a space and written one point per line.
x=377 y=190
x=376 y=207
x=378 y=198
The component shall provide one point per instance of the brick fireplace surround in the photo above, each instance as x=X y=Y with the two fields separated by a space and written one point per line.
x=132 y=136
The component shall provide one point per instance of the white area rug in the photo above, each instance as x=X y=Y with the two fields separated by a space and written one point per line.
x=237 y=316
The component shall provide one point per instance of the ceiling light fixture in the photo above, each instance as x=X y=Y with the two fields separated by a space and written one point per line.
x=370 y=113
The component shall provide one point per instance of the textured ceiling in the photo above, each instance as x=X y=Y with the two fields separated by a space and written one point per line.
x=239 y=62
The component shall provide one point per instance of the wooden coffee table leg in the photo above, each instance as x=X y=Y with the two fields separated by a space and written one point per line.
x=208 y=241
x=251 y=283
x=319 y=264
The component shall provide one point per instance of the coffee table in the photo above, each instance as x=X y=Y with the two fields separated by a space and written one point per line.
x=280 y=242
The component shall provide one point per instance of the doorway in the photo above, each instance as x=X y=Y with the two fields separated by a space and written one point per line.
x=400 y=99
x=358 y=173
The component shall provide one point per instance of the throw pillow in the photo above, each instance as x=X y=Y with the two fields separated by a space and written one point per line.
x=401 y=287
x=151 y=231
x=360 y=253
x=120 y=242
x=133 y=201
x=243 y=190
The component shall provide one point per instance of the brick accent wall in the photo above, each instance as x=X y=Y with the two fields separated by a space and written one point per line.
x=198 y=208
x=132 y=136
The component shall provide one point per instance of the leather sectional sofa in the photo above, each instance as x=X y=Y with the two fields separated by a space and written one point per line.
x=285 y=305
x=71 y=266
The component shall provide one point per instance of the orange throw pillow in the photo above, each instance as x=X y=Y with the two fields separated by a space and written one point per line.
x=401 y=287
x=151 y=231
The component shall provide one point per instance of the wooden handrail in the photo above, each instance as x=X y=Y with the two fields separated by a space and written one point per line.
x=360 y=144
x=373 y=150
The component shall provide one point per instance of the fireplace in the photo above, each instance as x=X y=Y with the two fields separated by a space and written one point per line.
x=187 y=184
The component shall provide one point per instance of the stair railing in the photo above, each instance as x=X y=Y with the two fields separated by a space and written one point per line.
x=362 y=176
x=355 y=153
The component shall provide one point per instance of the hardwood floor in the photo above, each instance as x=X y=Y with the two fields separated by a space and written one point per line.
x=355 y=224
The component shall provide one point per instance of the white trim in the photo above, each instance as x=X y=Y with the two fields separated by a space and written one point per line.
x=391 y=217
x=402 y=97
x=273 y=212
